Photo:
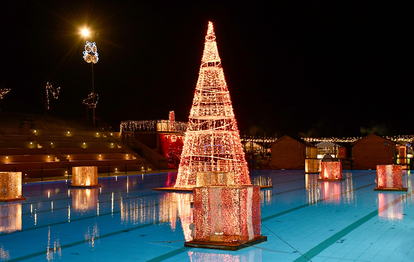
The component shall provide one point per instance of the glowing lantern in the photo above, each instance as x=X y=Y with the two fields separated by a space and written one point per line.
x=85 y=176
x=389 y=178
x=212 y=140
x=11 y=219
x=11 y=186
x=331 y=171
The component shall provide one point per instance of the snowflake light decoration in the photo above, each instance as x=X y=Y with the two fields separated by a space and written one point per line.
x=91 y=53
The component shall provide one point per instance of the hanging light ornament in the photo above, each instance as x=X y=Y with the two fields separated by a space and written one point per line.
x=54 y=91
x=91 y=53
x=90 y=102
x=212 y=140
x=3 y=92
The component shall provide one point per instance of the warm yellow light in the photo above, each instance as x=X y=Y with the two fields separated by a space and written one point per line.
x=85 y=32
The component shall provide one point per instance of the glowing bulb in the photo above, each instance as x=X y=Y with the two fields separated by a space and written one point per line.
x=85 y=32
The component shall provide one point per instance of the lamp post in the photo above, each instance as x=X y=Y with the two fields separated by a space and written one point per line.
x=90 y=55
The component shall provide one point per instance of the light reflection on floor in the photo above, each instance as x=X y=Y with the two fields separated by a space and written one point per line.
x=304 y=219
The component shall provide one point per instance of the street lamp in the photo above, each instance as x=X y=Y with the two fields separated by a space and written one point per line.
x=90 y=55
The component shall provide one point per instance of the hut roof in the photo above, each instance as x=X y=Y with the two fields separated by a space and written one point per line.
x=296 y=139
x=370 y=137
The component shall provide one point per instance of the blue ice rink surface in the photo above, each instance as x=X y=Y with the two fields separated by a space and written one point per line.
x=125 y=220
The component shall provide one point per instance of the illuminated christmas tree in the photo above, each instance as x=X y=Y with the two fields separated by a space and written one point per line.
x=212 y=140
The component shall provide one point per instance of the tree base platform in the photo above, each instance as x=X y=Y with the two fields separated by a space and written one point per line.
x=225 y=246
x=12 y=199
x=182 y=189
x=390 y=189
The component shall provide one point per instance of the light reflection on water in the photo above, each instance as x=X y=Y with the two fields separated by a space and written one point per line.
x=168 y=208
x=330 y=192
x=253 y=255
x=4 y=254
x=84 y=199
x=130 y=201
x=53 y=249
x=10 y=218
x=389 y=212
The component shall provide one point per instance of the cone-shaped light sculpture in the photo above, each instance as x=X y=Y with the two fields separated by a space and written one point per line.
x=212 y=140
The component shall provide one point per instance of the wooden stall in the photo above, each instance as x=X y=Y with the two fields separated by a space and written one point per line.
x=288 y=153
x=371 y=151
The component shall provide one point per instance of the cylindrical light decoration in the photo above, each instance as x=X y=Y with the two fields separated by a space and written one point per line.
x=212 y=140
x=11 y=186
x=331 y=171
x=389 y=178
x=85 y=176
x=226 y=217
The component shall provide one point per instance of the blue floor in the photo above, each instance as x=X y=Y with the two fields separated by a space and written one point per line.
x=125 y=220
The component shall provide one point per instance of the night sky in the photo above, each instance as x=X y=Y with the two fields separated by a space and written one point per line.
x=311 y=68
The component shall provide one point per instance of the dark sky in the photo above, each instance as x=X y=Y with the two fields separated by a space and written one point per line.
x=321 y=69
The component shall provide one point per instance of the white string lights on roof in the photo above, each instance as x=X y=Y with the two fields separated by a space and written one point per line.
x=54 y=91
x=212 y=140
x=3 y=92
x=153 y=125
x=398 y=138
x=90 y=102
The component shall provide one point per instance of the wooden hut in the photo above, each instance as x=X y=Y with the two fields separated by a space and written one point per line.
x=288 y=153
x=371 y=151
